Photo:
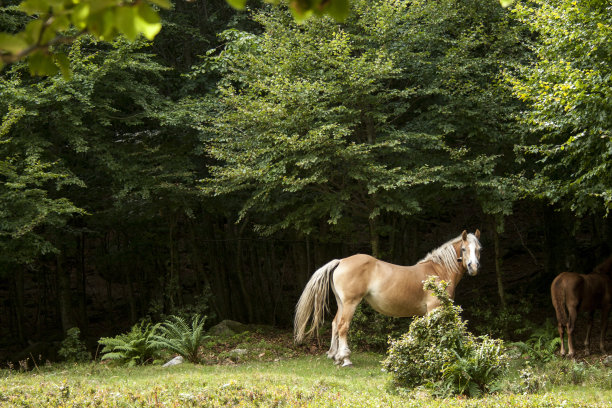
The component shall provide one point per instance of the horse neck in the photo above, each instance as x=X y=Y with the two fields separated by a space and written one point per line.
x=453 y=277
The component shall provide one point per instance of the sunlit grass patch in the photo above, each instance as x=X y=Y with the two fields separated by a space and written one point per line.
x=304 y=381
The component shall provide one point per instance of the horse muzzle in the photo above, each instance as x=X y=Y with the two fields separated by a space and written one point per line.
x=472 y=270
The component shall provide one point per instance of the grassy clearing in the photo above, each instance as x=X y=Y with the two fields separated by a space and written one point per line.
x=302 y=381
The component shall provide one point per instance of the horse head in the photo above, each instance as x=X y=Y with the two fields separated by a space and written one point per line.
x=469 y=254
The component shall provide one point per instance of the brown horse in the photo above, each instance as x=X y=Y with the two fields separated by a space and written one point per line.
x=575 y=292
x=392 y=290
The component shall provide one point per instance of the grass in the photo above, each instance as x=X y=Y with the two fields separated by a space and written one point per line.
x=302 y=381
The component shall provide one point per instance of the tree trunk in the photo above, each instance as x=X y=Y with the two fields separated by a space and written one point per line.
x=131 y=298
x=498 y=273
x=244 y=293
x=82 y=281
x=19 y=303
x=374 y=238
x=64 y=296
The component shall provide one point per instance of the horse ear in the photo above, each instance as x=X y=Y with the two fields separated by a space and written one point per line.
x=477 y=234
x=464 y=235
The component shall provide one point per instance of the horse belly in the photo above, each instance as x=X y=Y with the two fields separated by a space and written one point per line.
x=397 y=307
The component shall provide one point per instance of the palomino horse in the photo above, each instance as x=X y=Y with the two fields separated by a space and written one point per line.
x=575 y=292
x=392 y=290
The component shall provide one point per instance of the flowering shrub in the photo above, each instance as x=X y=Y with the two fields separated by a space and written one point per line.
x=440 y=353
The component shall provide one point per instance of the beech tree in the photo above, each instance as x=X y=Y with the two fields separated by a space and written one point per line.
x=567 y=91
x=327 y=122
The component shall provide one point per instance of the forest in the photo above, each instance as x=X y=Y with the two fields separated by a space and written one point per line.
x=214 y=168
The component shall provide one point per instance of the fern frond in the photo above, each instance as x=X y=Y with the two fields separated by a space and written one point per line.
x=176 y=335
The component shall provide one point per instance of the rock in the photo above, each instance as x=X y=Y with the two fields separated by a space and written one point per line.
x=228 y=328
x=607 y=361
x=175 y=361
x=236 y=355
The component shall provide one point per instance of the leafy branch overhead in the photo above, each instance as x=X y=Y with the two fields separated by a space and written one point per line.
x=53 y=22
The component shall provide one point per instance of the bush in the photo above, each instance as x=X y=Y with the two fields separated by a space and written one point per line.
x=131 y=348
x=176 y=335
x=73 y=350
x=440 y=353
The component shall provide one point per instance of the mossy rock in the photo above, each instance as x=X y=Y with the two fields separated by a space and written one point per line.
x=228 y=328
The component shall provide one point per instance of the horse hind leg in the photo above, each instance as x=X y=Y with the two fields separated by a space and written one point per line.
x=333 y=348
x=587 y=340
x=342 y=356
x=573 y=313
x=560 y=329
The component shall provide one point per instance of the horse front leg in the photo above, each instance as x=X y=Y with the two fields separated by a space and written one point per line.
x=333 y=348
x=342 y=356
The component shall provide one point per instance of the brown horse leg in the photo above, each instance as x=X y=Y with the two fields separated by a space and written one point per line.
x=560 y=328
x=587 y=340
x=604 y=326
x=333 y=348
x=570 y=330
x=342 y=356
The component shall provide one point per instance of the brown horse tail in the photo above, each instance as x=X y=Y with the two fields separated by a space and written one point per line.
x=313 y=302
x=558 y=298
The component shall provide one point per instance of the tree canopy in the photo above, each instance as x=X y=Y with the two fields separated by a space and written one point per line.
x=567 y=91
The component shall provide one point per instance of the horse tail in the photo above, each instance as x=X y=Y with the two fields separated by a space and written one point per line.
x=313 y=302
x=557 y=292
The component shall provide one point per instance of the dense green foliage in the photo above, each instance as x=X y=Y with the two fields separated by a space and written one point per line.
x=440 y=353
x=345 y=123
x=568 y=94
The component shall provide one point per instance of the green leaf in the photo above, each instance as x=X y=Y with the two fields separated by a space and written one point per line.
x=338 y=9
x=147 y=21
x=42 y=64
x=125 y=19
x=506 y=3
x=237 y=4
x=32 y=31
x=64 y=65
x=80 y=14
x=34 y=6
x=12 y=43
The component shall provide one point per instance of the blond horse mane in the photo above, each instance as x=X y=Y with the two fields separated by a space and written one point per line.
x=446 y=255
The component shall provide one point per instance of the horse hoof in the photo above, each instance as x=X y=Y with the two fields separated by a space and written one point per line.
x=347 y=364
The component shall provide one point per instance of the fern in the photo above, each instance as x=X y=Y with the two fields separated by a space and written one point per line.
x=176 y=335
x=541 y=345
x=131 y=348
